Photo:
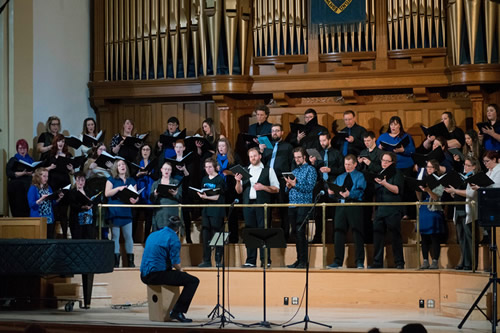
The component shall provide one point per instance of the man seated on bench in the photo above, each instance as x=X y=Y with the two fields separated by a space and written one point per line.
x=161 y=256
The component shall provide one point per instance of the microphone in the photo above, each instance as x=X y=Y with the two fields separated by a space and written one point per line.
x=321 y=193
x=236 y=201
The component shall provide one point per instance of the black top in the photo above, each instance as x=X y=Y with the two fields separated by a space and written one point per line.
x=384 y=195
x=357 y=145
x=284 y=158
x=311 y=140
x=216 y=182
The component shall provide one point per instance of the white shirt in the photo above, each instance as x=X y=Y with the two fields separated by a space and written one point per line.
x=255 y=171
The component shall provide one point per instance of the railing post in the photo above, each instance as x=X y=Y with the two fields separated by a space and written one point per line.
x=99 y=222
x=473 y=243
x=418 y=232
x=266 y=259
x=323 y=236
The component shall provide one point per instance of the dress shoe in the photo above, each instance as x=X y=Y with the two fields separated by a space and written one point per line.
x=248 y=265
x=268 y=265
x=425 y=264
x=301 y=265
x=179 y=316
x=459 y=267
x=294 y=265
x=375 y=266
x=334 y=265
x=467 y=268
x=205 y=264
x=360 y=266
x=400 y=266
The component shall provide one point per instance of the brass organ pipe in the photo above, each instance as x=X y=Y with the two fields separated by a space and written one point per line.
x=154 y=35
x=372 y=24
x=106 y=36
x=408 y=21
x=429 y=16
x=184 y=33
x=270 y=24
x=195 y=8
x=298 y=24
x=231 y=26
x=291 y=21
x=121 y=35
x=490 y=16
x=352 y=37
x=116 y=38
x=138 y=32
x=284 y=24
x=244 y=26
x=127 y=38
x=147 y=35
x=401 y=19
x=395 y=23
x=265 y=33
x=436 y=22
x=422 y=15
x=304 y=24
x=164 y=35
x=452 y=14
x=260 y=27
x=473 y=6
x=414 y=17
x=321 y=37
x=173 y=19
x=202 y=37
x=277 y=25
x=254 y=28
x=214 y=26
x=443 y=21
x=389 y=23
x=132 y=37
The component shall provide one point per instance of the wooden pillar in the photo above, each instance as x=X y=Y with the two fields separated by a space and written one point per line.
x=477 y=98
x=98 y=69
x=381 y=34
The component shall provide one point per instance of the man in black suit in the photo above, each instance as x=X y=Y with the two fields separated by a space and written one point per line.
x=256 y=190
x=328 y=169
x=309 y=137
x=262 y=126
x=280 y=159
x=353 y=143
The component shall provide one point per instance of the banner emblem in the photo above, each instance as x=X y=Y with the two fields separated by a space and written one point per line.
x=336 y=9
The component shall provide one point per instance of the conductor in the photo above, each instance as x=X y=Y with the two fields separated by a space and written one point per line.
x=161 y=264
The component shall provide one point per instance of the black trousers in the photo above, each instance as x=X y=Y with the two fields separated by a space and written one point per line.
x=211 y=225
x=318 y=218
x=464 y=235
x=381 y=225
x=175 y=278
x=254 y=218
x=296 y=215
x=346 y=217
x=431 y=243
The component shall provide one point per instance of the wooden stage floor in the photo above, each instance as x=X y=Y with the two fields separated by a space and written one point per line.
x=134 y=318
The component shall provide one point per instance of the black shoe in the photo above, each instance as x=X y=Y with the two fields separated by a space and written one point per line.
x=400 y=266
x=294 y=265
x=485 y=241
x=205 y=264
x=467 y=268
x=179 y=316
x=375 y=266
x=301 y=265
x=268 y=264
x=459 y=267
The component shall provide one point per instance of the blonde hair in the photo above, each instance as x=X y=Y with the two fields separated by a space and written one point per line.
x=114 y=169
x=37 y=178
x=47 y=124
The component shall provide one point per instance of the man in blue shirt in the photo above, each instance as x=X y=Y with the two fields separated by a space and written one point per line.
x=300 y=190
x=345 y=216
x=161 y=255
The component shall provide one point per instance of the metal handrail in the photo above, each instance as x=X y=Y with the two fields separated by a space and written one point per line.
x=323 y=205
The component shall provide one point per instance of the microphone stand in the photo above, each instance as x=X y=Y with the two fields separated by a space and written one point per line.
x=215 y=312
x=306 y=319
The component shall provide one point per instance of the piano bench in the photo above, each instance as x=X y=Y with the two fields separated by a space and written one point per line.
x=161 y=300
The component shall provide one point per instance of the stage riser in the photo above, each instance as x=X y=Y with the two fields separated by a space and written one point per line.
x=191 y=255
x=388 y=288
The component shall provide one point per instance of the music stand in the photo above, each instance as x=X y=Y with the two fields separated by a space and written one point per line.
x=218 y=240
x=265 y=239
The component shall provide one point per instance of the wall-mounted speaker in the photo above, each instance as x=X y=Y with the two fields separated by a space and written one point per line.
x=488 y=204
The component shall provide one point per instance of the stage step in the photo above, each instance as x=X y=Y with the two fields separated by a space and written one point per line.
x=469 y=296
x=459 y=310
x=191 y=256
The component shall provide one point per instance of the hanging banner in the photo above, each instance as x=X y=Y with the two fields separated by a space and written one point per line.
x=337 y=12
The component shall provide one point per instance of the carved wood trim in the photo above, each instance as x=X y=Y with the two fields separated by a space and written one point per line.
x=415 y=53
x=353 y=56
x=289 y=59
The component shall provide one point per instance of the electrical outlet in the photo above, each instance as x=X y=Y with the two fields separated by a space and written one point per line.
x=285 y=301
x=295 y=300
x=421 y=303
x=430 y=303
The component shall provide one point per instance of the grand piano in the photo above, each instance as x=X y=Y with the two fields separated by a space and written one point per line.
x=21 y=259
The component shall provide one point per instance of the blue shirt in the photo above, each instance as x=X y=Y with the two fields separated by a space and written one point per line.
x=404 y=159
x=161 y=252
x=302 y=192
x=358 y=185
